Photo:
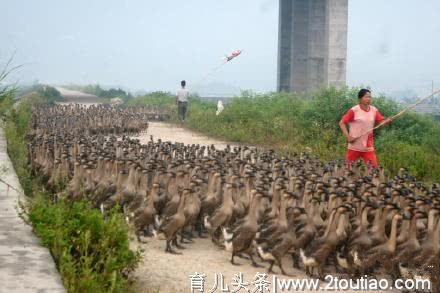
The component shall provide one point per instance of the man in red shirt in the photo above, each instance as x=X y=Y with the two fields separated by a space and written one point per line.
x=361 y=118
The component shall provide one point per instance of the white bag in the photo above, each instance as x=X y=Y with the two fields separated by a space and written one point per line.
x=219 y=108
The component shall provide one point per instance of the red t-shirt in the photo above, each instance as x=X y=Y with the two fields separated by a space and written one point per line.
x=360 y=121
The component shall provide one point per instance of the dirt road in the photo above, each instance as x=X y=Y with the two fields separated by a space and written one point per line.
x=71 y=96
x=173 y=133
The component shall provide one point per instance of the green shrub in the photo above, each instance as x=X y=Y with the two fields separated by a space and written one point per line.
x=92 y=253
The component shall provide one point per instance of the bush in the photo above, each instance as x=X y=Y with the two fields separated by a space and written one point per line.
x=92 y=253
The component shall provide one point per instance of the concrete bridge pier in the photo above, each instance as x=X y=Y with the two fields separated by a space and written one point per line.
x=312 y=45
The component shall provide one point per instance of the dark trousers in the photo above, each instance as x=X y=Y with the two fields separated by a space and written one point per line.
x=182 y=107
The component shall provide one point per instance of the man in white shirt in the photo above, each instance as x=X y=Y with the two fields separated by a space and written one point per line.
x=182 y=101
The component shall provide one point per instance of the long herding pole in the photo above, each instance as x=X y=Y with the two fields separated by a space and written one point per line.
x=403 y=111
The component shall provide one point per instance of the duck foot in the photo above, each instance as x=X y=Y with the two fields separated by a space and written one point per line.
x=254 y=263
x=242 y=256
x=142 y=240
x=173 y=252
x=232 y=260
x=179 y=246
x=269 y=270
x=148 y=233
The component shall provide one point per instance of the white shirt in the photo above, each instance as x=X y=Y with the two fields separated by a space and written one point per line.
x=182 y=95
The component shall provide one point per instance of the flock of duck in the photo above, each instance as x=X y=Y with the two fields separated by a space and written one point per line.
x=256 y=204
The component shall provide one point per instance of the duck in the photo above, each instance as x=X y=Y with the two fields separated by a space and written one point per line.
x=222 y=215
x=172 y=224
x=240 y=240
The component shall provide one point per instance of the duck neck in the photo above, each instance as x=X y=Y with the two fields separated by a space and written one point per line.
x=227 y=198
x=340 y=229
x=142 y=190
x=131 y=174
x=393 y=235
x=65 y=168
x=180 y=209
x=131 y=184
x=218 y=186
x=292 y=181
x=413 y=229
x=120 y=181
x=187 y=179
x=283 y=216
x=431 y=222
x=89 y=180
x=404 y=230
x=364 y=220
x=331 y=223
x=99 y=171
x=180 y=180
x=275 y=202
x=331 y=203
x=380 y=219
x=252 y=216
x=437 y=237
x=150 y=178
x=172 y=187
x=75 y=172
x=153 y=196
x=211 y=182
x=108 y=169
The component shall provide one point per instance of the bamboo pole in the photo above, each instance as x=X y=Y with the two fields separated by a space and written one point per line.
x=401 y=112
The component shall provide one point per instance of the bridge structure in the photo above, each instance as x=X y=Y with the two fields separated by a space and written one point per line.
x=312 y=44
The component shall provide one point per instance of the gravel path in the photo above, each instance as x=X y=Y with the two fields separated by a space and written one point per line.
x=71 y=96
x=170 y=132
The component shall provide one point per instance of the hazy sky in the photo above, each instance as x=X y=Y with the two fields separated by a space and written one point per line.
x=393 y=45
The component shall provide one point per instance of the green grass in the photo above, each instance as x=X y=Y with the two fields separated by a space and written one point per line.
x=91 y=250
x=293 y=122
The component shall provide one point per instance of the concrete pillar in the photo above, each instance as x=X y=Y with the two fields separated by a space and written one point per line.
x=312 y=49
x=284 y=45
